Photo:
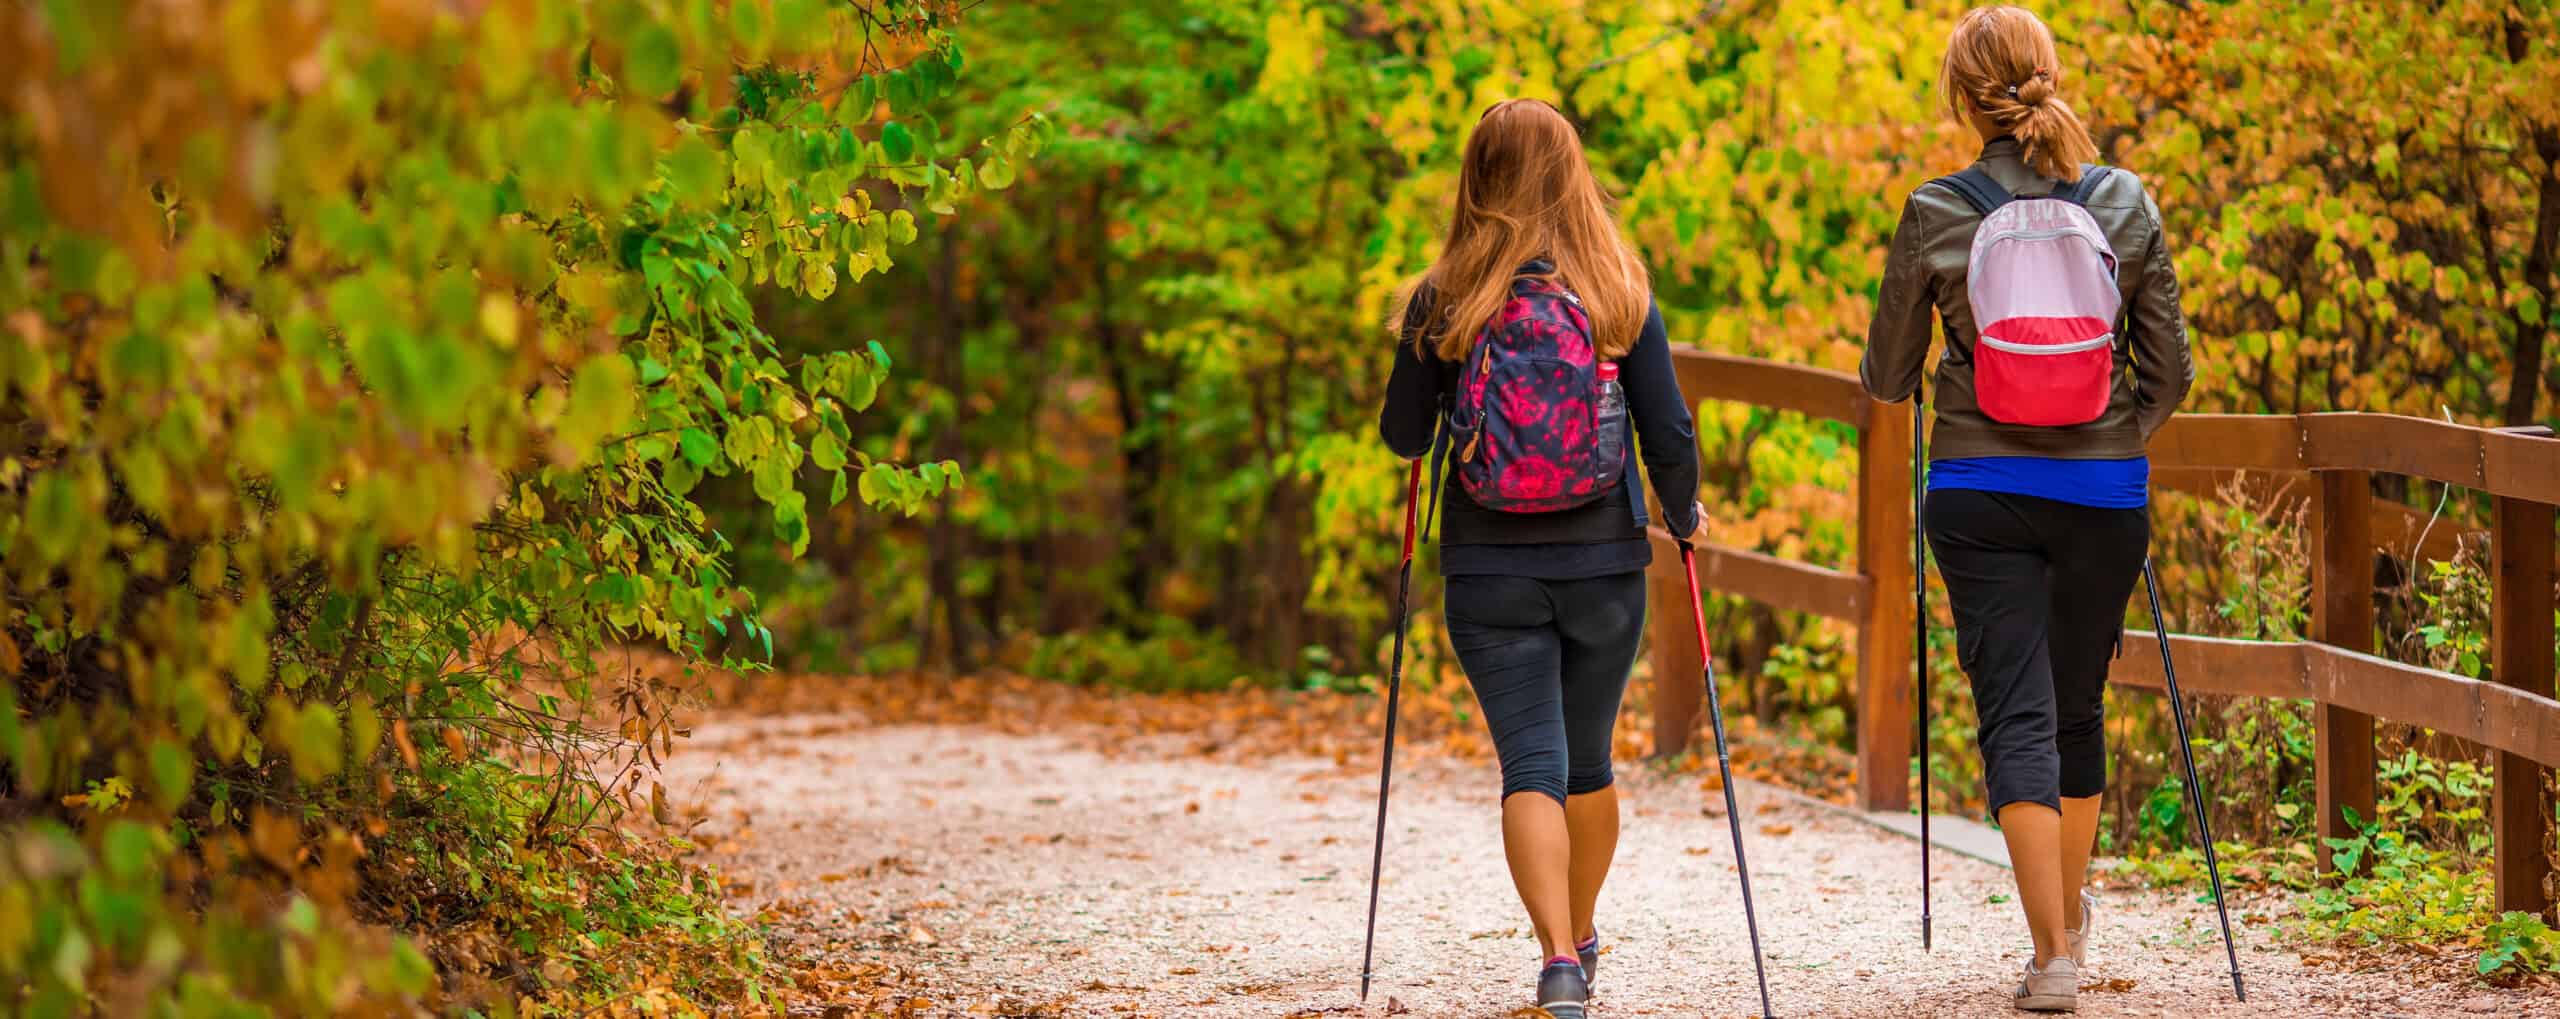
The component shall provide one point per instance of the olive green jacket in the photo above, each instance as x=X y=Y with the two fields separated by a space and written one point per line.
x=1925 y=271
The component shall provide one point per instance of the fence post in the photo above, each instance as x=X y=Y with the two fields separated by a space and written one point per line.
x=2520 y=656
x=2342 y=616
x=1885 y=705
x=1678 y=681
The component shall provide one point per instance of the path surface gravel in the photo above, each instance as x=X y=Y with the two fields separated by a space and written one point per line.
x=1095 y=878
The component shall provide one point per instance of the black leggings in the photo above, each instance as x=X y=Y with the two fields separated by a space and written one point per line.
x=2039 y=590
x=1548 y=660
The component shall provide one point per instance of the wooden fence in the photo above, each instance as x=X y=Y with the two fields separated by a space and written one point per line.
x=2515 y=717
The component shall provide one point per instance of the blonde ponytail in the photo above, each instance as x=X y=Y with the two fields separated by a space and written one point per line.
x=2001 y=64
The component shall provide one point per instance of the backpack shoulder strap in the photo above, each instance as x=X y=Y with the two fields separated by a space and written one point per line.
x=2078 y=192
x=1977 y=189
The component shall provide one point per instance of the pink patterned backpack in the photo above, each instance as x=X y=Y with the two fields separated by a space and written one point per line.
x=1539 y=422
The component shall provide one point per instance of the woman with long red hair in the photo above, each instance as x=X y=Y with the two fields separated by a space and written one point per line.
x=1527 y=351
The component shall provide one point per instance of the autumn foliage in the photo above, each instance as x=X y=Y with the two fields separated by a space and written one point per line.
x=363 y=361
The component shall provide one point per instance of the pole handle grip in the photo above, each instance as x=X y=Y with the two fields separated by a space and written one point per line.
x=1412 y=506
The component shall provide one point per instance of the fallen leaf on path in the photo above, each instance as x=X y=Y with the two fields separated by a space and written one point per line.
x=1777 y=829
x=1098 y=985
x=1184 y=971
x=1699 y=850
x=1192 y=807
x=2111 y=985
x=1396 y=1006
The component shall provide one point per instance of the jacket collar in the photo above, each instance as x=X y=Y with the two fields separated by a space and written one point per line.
x=2004 y=145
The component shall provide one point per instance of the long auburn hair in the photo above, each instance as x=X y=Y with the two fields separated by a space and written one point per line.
x=1525 y=191
x=2001 y=63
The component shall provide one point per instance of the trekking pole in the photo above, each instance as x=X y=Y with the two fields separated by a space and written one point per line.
x=2195 y=790
x=1395 y=686
x=1920 y=653
x=1724 y=766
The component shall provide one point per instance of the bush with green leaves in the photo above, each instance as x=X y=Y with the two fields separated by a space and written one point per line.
x=363 y=363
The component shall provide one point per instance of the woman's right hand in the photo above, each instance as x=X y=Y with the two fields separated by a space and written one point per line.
x=1697 y=523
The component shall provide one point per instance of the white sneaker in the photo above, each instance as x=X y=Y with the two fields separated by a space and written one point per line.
x=2078 y=941
x=2055 y=988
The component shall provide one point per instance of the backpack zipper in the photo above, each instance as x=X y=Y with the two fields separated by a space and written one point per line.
x=1973 y=258
x=2047 y=349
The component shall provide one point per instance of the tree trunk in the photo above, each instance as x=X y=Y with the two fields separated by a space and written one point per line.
x=950 y=371
x=2524 y=388
x=1141 y=450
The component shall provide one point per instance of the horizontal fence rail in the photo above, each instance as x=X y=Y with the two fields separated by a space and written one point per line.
x=2330 y=459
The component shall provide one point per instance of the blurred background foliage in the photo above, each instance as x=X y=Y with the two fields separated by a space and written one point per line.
x=376 y=368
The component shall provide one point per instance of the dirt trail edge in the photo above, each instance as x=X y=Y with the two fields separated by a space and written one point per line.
x=1002 y=874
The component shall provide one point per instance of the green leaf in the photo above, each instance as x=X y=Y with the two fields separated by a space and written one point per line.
x=897 y=143
x=654 y=63
x=876 y=485
x=600 y=402
x=824 y=452
x=699 y=448
x=54 y=518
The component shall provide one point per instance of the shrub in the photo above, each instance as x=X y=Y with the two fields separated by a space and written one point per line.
x=363 y=364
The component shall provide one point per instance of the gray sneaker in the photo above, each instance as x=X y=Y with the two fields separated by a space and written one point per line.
x=2078 y=940
x=2055 y=988
x=1563 y=990
x=1589 y=953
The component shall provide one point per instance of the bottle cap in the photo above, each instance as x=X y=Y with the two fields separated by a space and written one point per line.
x=1608 y=371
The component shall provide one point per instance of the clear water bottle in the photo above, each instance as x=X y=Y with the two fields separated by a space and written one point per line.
x=1611 y=422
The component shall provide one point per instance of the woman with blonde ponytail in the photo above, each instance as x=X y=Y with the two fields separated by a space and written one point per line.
x=2065 y=351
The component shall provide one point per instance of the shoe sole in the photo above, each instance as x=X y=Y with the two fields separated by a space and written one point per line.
x=2049 y=1003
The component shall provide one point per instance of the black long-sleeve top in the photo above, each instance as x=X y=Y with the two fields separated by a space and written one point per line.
x=1596 y=540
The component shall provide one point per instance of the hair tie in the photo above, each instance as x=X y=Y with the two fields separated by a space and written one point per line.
x=2013 y=91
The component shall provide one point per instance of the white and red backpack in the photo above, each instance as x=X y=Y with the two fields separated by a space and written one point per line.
x=2042 y=282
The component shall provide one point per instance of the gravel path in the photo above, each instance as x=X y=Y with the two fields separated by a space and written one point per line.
x=1035 y=875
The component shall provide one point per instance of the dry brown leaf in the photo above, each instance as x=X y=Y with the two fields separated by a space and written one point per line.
x=400 y=738
x=1777 y=829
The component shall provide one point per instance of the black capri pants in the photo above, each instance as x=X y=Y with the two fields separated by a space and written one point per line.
x=2039 y=589
x=1548 y=660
